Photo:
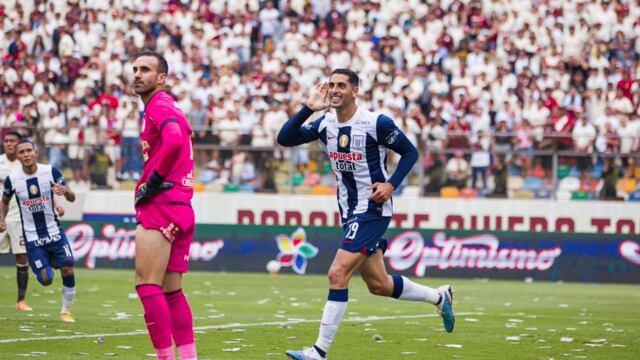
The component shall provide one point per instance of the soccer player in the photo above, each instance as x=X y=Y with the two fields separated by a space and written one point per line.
x=166 y=222
x=12 y=237
x=356 y=141
x=34 y=186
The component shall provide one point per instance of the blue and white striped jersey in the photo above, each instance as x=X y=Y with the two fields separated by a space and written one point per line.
x=357 y=150
x=34 y=197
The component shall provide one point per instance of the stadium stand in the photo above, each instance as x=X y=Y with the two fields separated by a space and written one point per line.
x=550 y=87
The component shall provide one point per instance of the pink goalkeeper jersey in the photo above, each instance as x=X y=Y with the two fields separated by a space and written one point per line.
x=166 y=148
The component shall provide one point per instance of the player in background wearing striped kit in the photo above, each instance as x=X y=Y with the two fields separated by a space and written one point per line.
x=34 y=186
x=356 y=141
x=12 y=238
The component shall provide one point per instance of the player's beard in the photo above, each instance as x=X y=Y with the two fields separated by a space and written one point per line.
x=144 y=89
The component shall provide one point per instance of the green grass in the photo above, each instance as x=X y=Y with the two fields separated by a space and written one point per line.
x=540 y=313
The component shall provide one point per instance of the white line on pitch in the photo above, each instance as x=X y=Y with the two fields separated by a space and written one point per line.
x=234 y=325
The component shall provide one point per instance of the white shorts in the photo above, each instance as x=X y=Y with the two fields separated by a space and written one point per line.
x=12 y=238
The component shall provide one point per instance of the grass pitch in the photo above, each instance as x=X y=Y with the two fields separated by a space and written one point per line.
x=256 y=316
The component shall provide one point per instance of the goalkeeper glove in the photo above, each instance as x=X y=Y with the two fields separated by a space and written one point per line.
x=155 y=184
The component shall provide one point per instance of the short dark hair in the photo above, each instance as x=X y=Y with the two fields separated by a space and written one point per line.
x=26 y=141
x=14 y=133
x=353 y=77
x=163 y=66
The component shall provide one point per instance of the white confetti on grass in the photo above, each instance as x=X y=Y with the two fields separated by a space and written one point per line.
x=408 y=353
x=236 y=349
x=421 y=339
x=618 y=345
x=453 y=346
x=564 y=306
x=566 y=339
x=263 y=301
x=598 y=341
x=614 y=330
x=123 y=347
x=513 y=338
x=471 y=319
x=121 y=316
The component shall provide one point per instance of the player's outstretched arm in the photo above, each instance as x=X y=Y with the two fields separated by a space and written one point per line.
x=292 y=132
x=319 y=97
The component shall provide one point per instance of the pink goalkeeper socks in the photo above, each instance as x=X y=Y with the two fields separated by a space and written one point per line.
x=188 y=352
x=158 y=319
x=166 y=353
x=181 y=324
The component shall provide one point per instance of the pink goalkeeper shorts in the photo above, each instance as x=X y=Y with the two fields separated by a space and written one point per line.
x=176 y=222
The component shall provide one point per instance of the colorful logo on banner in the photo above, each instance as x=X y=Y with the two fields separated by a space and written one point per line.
x=295 y=251
x=630 y=251
x=408 y=250
x=119 y=244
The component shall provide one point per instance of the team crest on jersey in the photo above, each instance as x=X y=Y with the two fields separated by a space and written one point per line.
x=344 y=140
x=33 y=189
x=357 y=141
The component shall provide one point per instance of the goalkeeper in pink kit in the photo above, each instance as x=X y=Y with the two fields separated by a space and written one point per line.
x=166 y=223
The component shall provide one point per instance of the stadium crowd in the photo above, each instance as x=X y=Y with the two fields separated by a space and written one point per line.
x=479 y=86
